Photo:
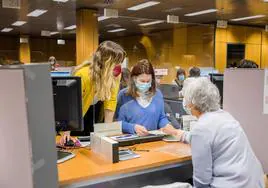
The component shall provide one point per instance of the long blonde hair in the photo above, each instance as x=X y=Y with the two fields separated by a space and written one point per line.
x=108 y=55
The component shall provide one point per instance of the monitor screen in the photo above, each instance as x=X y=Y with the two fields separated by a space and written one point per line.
x=68 y=103
x=60 y=73
x=217 y=79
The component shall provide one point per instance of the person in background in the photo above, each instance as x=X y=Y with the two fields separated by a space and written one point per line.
x=194 y=72
x=124 y=78
x=145 y=111
x=181 y=76
x=100 y=82
x=245 y=63
x=221 y=153
x=53 y=63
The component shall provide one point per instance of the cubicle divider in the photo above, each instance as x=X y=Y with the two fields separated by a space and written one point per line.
x=27 y=128
x=243 y=98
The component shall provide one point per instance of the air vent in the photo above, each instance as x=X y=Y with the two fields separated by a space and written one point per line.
x=111 y=13
x=222 y=24
x=11 y=4
x=172 y=19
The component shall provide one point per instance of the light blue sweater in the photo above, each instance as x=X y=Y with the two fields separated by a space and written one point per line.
x=221 y=154
x=152 y=117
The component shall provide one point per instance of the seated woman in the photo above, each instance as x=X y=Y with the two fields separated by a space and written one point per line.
x=146 y=111
x=181 y=76
x=221 y=153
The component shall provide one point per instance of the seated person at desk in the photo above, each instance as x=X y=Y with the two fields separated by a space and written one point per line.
x=145 y=111
x=100 y=82
x=124 y=97
x=181 y=76
x=194 y=72
x=221 y=153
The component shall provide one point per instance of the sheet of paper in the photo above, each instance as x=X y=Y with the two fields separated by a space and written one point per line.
x=157 y=132
x=265 y=95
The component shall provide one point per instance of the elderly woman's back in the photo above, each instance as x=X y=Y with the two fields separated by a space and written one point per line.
x=222 y=155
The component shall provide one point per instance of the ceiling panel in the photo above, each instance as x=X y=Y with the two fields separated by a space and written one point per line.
x=61 y=15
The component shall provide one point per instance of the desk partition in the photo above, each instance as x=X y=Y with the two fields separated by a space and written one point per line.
x=243 y=98
x=27 y=128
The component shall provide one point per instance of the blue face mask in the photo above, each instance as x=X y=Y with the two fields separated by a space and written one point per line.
x=181 y=77
x=143 y=87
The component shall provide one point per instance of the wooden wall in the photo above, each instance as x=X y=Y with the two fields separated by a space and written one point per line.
x=255 y=40
x=179 y=47
x=40 y=49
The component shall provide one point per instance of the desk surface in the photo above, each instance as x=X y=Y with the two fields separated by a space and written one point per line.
x=88 y=165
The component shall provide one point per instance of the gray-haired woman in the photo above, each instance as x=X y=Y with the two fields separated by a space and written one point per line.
x=221 y=154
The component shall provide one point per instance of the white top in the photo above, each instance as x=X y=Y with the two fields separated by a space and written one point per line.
x=221 y=154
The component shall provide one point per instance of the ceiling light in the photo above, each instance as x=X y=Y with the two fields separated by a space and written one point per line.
x=173 y=9
x=18 y=23
x=201 y=12
x=45 y=33
x=54 y=33
x=61 y=1
x=151 y=23
x=247 y=18
x=266 y=1
x=113 y=25
x=144 y=5
x=101 y=18
x=116 y=30
x=70 y=27
x=6 y=30
x=36 y=13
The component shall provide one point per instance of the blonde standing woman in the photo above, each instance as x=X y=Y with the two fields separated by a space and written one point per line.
x=100 y=82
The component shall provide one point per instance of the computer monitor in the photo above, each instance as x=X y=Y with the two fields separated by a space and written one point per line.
x=68 y=103
x=176 y=107
x=217 y=79
x=170 y=91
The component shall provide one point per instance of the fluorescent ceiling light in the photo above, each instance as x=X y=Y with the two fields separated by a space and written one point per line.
x=173 y=9
x=37 y=12
x=247 y=18
x=45 y=33
x=144 y=5
x=201 y=12
x=54 y=33
x=19 y=23
x=151 y=23
x=101 y=18
x=70 y=27
x=6 y=30
x=116 y=30
x=61 y=1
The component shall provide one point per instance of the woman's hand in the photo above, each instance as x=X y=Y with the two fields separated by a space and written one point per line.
x=66 y=137
x=140 y=130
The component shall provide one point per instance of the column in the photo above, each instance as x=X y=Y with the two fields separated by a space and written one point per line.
x=24 y=50
x=87 y=37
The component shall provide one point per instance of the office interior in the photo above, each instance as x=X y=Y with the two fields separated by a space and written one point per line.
x=210 y=35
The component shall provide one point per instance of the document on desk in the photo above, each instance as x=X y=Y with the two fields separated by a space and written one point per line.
x=157 y=132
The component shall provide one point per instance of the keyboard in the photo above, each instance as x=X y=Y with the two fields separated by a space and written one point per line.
x=140 y=139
